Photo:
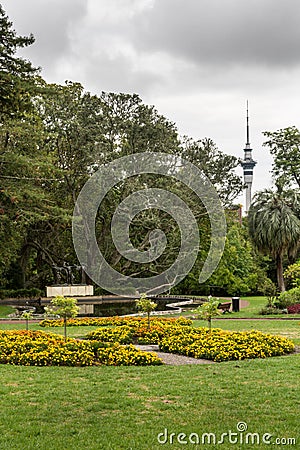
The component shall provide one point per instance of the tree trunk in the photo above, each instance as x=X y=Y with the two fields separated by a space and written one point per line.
x=65 y=328
x=279 y=267
x=209 y=324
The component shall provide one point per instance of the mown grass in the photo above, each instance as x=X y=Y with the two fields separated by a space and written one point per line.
x=126 y=407
x=6 y=310
x=255 y=304
x=252 y=310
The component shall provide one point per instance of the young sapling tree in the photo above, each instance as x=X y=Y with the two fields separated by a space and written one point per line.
x=65 y=307
x=208 y=310
x=146 y=305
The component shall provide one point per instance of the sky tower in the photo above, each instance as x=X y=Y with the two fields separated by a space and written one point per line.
x=248 y=164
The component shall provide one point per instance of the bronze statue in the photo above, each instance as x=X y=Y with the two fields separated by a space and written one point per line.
x=64 y=275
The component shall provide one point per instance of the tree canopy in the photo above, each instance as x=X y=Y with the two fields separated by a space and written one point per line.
x=274 y=226
x=17 y=75
x=53 y=138
x=284 y=145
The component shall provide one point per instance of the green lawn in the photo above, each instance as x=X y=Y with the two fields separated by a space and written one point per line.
x=126 y=407
x=255 y=305
x=252 y=310
x=6 y=310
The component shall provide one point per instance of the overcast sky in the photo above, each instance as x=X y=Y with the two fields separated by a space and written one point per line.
x=197 y=61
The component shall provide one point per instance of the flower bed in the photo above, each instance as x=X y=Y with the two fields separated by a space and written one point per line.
x=113 y=321
x=118 y=355
x=122 y=334
x=137 y=331
x=128 y=335
x=222 y=345
x=108 y=345
x=36 y=348
x=217 y=345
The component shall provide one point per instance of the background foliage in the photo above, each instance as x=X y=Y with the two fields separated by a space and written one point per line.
x=54 y=137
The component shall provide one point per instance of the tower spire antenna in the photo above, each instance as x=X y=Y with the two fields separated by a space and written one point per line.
x=248 y=164
x=248 y=140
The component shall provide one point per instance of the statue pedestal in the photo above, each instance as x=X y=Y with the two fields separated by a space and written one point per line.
x=74 y=290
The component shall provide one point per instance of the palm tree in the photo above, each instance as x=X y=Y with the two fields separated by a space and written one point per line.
x=274 y=226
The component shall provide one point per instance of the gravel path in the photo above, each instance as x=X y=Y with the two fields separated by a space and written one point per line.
x=171 y=359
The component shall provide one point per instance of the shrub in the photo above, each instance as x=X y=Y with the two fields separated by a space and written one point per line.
x=270 y=310
x=20 y=293
x=269 y=289
x=208 y=310
x=65 y=307
x=146 y=305
x=294 y=309
x=292 y=275
x=288 y=298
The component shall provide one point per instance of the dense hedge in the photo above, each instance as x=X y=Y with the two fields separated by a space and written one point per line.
x=20 y=293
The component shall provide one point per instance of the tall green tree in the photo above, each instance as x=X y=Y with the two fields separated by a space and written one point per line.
x=53 y=138
x=26 y=172
x=216 y=165
x=24 y=167
x=85 y=131
x=274 y=226
x=284 y=145
x=17 y=75
x=238 y=272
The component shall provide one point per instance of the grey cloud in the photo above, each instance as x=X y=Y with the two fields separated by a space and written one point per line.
x=264 y=32
x=117 y=74
x=209 y=44
x=197 y=61
x=49 y=22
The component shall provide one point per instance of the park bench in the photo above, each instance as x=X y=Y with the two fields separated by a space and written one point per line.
x=225 y=307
